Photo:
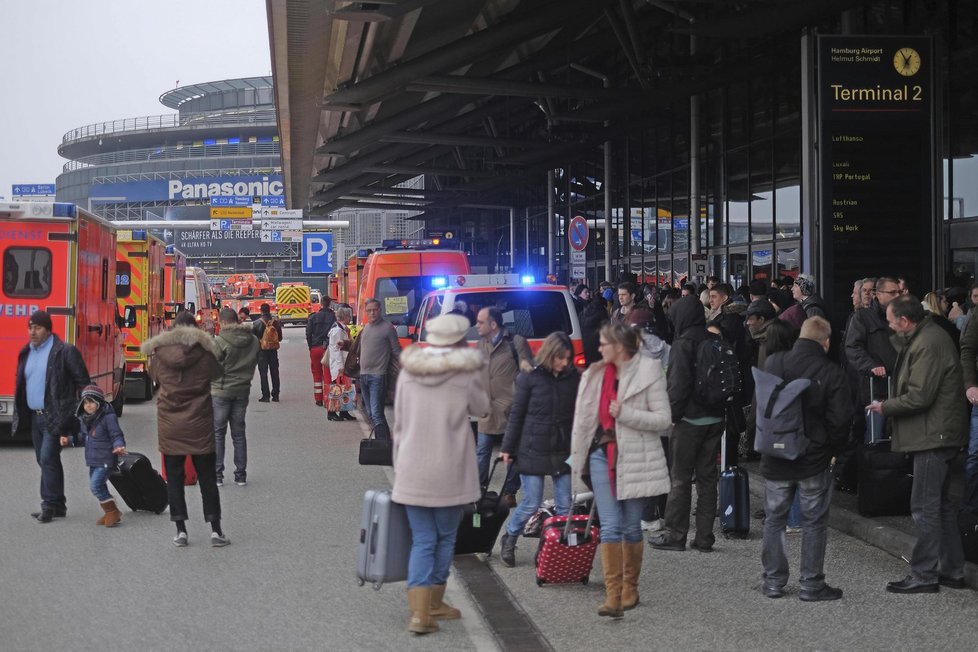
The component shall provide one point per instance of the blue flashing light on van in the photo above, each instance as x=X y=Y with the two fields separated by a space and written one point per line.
x=527 y=279
x=439 y=282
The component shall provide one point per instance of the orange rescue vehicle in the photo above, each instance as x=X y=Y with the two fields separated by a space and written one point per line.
x=141 y=270
x=59 y=258
x=174 y=283
x=402 y=273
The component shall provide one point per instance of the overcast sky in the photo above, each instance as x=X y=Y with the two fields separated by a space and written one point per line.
x=70 y=63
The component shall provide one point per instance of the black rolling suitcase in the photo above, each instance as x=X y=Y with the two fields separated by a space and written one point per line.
x=885 y=477
x=482 y=521
x=968 y=526
x=138 y=483
x=734 y=498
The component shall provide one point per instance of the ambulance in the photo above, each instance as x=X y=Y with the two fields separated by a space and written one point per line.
x=403 y=272
x=59 y=258
x=200 y=299
x=141 y=260
x=174 y=283
x=292 y=303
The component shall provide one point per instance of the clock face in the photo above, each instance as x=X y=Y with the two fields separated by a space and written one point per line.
x=906 y=61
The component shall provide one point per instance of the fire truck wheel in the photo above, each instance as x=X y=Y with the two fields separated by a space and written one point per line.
x=119 y=402
x=148 y=389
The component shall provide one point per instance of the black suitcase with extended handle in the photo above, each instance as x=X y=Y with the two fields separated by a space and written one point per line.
x=138 y=483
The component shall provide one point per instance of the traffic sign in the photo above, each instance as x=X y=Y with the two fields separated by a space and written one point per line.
x=317 y=253
x=32 y=189
x=281 y=236
x=273 y=211
x=232 y=212
x=278 y=224
x=231 y=225
x=231 y=201
x=577 y=233
x=273 y=200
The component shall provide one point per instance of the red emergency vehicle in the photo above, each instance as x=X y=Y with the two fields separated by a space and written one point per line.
x=59 y=258
x=141 y=262
x=174 y=283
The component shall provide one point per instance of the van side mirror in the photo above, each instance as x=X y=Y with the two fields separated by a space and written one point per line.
x=401 y=330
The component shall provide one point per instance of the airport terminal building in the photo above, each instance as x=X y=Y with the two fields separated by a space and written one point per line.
x=222 y=141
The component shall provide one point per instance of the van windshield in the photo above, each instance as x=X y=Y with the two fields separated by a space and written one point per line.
x=399 y=297
x=530 y=313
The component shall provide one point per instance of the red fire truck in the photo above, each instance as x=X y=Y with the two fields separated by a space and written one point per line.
x=59 y=258
x=139 y=286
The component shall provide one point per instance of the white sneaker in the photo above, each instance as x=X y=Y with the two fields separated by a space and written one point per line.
x=180 y=541
x=653 y=526
x=792 y=530
x=219 y=540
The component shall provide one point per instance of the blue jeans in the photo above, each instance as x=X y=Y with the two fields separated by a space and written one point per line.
x=97 y=477
x=969 y=500
x=231 y=411
x=47 y=451
x=483 y=454
x=533 y=497
x=794 y=514
x=816 y=498
x=938 y=547
x=620 y=519
x=433 y=532
x=373 y=389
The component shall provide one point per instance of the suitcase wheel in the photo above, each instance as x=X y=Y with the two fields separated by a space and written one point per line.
x=360 y=582
x=377 y=585
x=586 y=580
x=540 y=581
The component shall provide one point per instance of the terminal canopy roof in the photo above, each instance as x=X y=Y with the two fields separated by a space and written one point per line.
x=483 y=96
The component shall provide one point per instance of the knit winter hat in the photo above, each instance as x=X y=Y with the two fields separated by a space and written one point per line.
x=93 y=392
x=806 y=284
x=40 y=318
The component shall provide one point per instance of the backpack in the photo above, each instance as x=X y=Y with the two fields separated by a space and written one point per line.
x=269 y=337
x=717 y=376
x=780 y=415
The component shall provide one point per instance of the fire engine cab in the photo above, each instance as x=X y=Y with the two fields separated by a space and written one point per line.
x=59 y=258
x=174 y=283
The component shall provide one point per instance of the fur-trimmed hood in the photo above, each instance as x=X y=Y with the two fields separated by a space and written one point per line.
x=430 y=364
x=176 y=345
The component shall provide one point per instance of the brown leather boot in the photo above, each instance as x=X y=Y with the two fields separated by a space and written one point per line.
x=441 y=610
x=105 y=510
x=632 y=566
x=611 y=563
x=112 y=514
x=419 y=599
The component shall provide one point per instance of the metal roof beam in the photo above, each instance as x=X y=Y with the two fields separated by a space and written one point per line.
x=507 y=87
x=513 y=30
x=437 y=171
x=441 y=138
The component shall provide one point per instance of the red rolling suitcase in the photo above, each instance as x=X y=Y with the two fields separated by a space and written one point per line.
x=567 y=547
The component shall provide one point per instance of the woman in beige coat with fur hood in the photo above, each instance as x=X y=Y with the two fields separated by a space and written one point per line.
x=183 y=361
x=434 y=457
x=621 y=413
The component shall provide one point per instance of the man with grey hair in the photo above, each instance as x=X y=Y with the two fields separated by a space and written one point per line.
x=927 y=420
x=868 y=291
x=803 y=291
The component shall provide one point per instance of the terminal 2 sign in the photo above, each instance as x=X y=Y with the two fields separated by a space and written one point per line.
x=876 y=161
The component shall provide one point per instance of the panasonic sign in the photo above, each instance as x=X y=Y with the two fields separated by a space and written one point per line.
x=190 y=188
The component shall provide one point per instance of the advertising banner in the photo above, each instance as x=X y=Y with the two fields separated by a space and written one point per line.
x=190 y=188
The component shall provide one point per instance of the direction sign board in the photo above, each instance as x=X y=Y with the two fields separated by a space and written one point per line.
x=230 y=225
x=32 y=189
x=279 y=224
x=232 y=212
x=317 y=253
x=281 y=236
x=273 y=211
x=577 y=233
x=231 y=201
x=273 y=200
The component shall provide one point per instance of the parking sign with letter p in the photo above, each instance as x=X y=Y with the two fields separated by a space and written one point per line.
x=317 y=253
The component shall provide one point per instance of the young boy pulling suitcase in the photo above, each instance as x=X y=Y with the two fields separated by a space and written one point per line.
x=103 y=441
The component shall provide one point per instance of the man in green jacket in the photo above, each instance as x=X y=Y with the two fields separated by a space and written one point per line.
x=969 y=367
x=927 y=413
x=238 y=352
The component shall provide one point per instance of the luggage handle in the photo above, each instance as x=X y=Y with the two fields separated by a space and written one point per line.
x=373 y=537
x=570 y=518
x=889 y=394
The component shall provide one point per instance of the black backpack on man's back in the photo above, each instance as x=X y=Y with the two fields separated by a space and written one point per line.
x=717 y=377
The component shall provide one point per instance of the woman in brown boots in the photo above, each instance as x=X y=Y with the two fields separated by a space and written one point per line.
x=622 y=410
x=103 y=441
x=435 y=471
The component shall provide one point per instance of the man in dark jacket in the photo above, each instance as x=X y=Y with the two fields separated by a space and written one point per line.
x=869 y=352
x=695 y=438
x=268 y=357
x=50 y=374
x=317 y=337
x=969 y=369
x=827 y=413
x=928 y=419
